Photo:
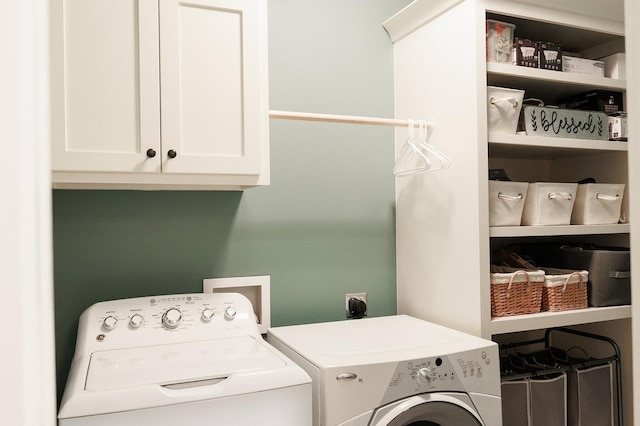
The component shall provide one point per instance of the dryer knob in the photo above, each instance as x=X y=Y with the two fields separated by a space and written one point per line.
x=172 y=318
x=424 y=374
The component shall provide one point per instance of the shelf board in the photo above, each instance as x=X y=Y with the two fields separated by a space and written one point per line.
x=536 y=82
x=502 y=325
x=504 y=145
x=517 y=72
x=559 y=230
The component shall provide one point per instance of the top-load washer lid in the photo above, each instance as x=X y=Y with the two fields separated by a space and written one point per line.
x=174 y=364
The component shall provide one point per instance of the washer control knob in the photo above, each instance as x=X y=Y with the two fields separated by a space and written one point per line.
x=172 y=318
x=230 y=312
x=207 y=315
x=425 y=374
x=110 y=322
x=136 y=321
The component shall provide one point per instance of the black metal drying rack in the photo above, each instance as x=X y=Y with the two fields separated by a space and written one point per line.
x=527 y=370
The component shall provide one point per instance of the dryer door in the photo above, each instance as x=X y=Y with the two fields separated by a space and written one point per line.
x=438 y=409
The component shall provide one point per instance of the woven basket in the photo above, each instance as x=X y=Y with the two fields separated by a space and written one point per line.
x=516 y=293
x=564 y=292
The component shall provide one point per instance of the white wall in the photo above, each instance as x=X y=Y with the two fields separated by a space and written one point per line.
x=27 y=396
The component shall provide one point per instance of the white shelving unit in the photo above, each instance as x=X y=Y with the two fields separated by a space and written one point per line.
x=444 y=242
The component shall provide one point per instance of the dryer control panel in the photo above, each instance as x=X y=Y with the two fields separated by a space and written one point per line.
x=470 y=370
x=164 y=319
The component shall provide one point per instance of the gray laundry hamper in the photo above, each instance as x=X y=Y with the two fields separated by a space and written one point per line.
x=562 y=385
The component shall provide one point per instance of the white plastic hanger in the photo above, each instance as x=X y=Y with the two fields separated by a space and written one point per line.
x=419 y=157
x=439 y=160
x=411 y=160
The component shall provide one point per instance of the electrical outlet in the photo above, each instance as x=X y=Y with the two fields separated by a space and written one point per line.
x=359 y=296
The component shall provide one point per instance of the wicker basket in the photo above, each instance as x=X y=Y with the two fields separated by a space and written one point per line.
x=564 y=291
x=515 y=293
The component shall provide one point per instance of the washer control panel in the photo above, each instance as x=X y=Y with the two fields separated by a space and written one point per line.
x=165 y=319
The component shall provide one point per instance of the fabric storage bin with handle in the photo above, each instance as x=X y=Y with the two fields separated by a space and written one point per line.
x=564 y=290
x=506 y=201
x=503 y=109
x=609 y=272
x=515 y=291
x=597 y=203
x=549 y=203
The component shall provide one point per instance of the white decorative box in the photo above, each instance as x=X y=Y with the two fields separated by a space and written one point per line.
x=597 y=203
x=506 y=202
x=549 y=203
x=582 y=66
x=566 y=123
x=615 y=66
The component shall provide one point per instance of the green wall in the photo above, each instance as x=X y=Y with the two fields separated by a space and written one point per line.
x=325 y=225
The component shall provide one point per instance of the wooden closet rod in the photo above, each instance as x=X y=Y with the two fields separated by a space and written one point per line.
x=349 y=119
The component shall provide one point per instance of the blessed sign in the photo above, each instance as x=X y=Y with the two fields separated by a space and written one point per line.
x=566 y=123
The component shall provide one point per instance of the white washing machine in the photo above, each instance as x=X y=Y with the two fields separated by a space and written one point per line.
x=395 y=371
x=180 y=360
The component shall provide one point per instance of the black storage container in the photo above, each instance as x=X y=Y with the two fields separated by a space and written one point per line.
x=595 y=100
x=609 y=273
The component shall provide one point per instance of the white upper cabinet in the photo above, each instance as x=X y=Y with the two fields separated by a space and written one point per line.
x=164 y=94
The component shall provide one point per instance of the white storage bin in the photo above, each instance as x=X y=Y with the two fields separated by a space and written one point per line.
x=597 y=203
x=506 y=202
x=549 y=203
x=503 y=109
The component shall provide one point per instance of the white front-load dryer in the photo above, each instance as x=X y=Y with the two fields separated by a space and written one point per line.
x=395 y=371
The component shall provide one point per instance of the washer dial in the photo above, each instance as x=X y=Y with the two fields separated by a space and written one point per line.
x=207 y=315
x=172 y=318
x=110 y=322
x=136 y=321
x=230 y=312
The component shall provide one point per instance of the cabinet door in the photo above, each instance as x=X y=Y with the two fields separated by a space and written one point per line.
x=105 y=85
x=212 y=71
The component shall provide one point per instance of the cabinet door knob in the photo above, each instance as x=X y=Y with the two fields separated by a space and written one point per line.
x=172 y=154
x=151 y=153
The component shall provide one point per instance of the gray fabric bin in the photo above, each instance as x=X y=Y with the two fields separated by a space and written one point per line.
x=549 y=401
x=609 y=273
x=535 y=401
x=515 y=403
x=590 y=396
